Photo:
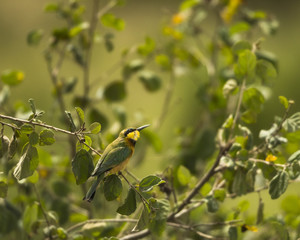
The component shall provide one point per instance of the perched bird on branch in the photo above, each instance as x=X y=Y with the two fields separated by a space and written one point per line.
x=115 y=157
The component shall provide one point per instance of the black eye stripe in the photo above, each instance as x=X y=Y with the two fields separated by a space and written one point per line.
x=129 y=131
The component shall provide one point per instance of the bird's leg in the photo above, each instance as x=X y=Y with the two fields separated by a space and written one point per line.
x=144 y=200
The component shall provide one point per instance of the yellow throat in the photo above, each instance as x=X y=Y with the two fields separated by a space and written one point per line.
x=134 y=135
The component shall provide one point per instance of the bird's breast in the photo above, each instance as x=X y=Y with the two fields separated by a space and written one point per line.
x=119 y=167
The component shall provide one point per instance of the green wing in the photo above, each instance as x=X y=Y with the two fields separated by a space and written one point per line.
x=113 y=158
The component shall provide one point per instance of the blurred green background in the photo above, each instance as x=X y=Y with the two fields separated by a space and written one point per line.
x=142 y=18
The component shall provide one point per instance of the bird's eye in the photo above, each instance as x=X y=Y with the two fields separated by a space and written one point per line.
x=129 y=131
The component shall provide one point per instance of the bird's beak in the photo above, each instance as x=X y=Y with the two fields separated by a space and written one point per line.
x=142 y=127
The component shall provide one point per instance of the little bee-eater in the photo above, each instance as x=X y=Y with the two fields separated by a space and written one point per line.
x=115 y=157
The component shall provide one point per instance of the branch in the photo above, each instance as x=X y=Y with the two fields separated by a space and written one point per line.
x=267 y=163
x=190 y=228
x=86 y=67
x=202 y=181
x=213 y=224
x=239 y=104
x=76 y=134
x=78 y=225
x=42 y=208
x=137 y=235
x=166 y=104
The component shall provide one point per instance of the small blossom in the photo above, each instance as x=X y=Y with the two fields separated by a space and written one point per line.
x=271 y=158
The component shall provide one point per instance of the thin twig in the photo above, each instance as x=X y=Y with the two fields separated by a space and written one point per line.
x=42 y=208
x=268 y=163
x=144 y=200
x=76 y=134
x=167 y=101
x=190 y=228
x=87 y=64
x=10 y=125
x=78 y=225
x=202 y=181
x=239 y=103
x=212 y=224
x=137 y=235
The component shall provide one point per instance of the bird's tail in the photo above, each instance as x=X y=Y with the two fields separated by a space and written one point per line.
x=91 y=192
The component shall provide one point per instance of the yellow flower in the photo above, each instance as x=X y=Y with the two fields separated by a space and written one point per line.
x=251 y=228
x=271 y=158
x=230 y=10
x=177 y=19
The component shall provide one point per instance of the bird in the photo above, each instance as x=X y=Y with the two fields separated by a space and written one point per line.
x=115 y=157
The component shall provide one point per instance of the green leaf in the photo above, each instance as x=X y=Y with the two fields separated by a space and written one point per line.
x=27 y=128
x=4 y=144
x=183 y=175
x=96 y=116
x=62 y=233
x=12 y=147
x=245 y=67
x=283 y=100
x=294 y=157
x=129 y=205
x=220 y=194
x=115 y=91
x=278 y=184
x=249 y=116
x=108 y=37
x=80 y=114
x=260 y=212
x=27 y=163
x=32 y=105
x=229 y=87
x=34 y=37
x=87 y=140
x=161 y=209
x=95 y=128
x=82 y=166
x=30 y=217
x=149 y=182
x=12 y=77
x=112 y=187
x=150 y=81
x=34 y=178
x=294 y=170
x=46 y=137
x=78 y=28
x=146 y=48
x=212 y=204
x=110 y=20
x=265 y=70
x=233 y=233
x=33 y=139
x=239 y=184
x=132 y=67
x=240 y=46
x=292 y=123
x=187 y=4
x=253 y=100
x=3 y=189
x=70 y=84
x=51 y=7
x=72 y=124
x=143 y=221
x=163 y=61
x=239 y=27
